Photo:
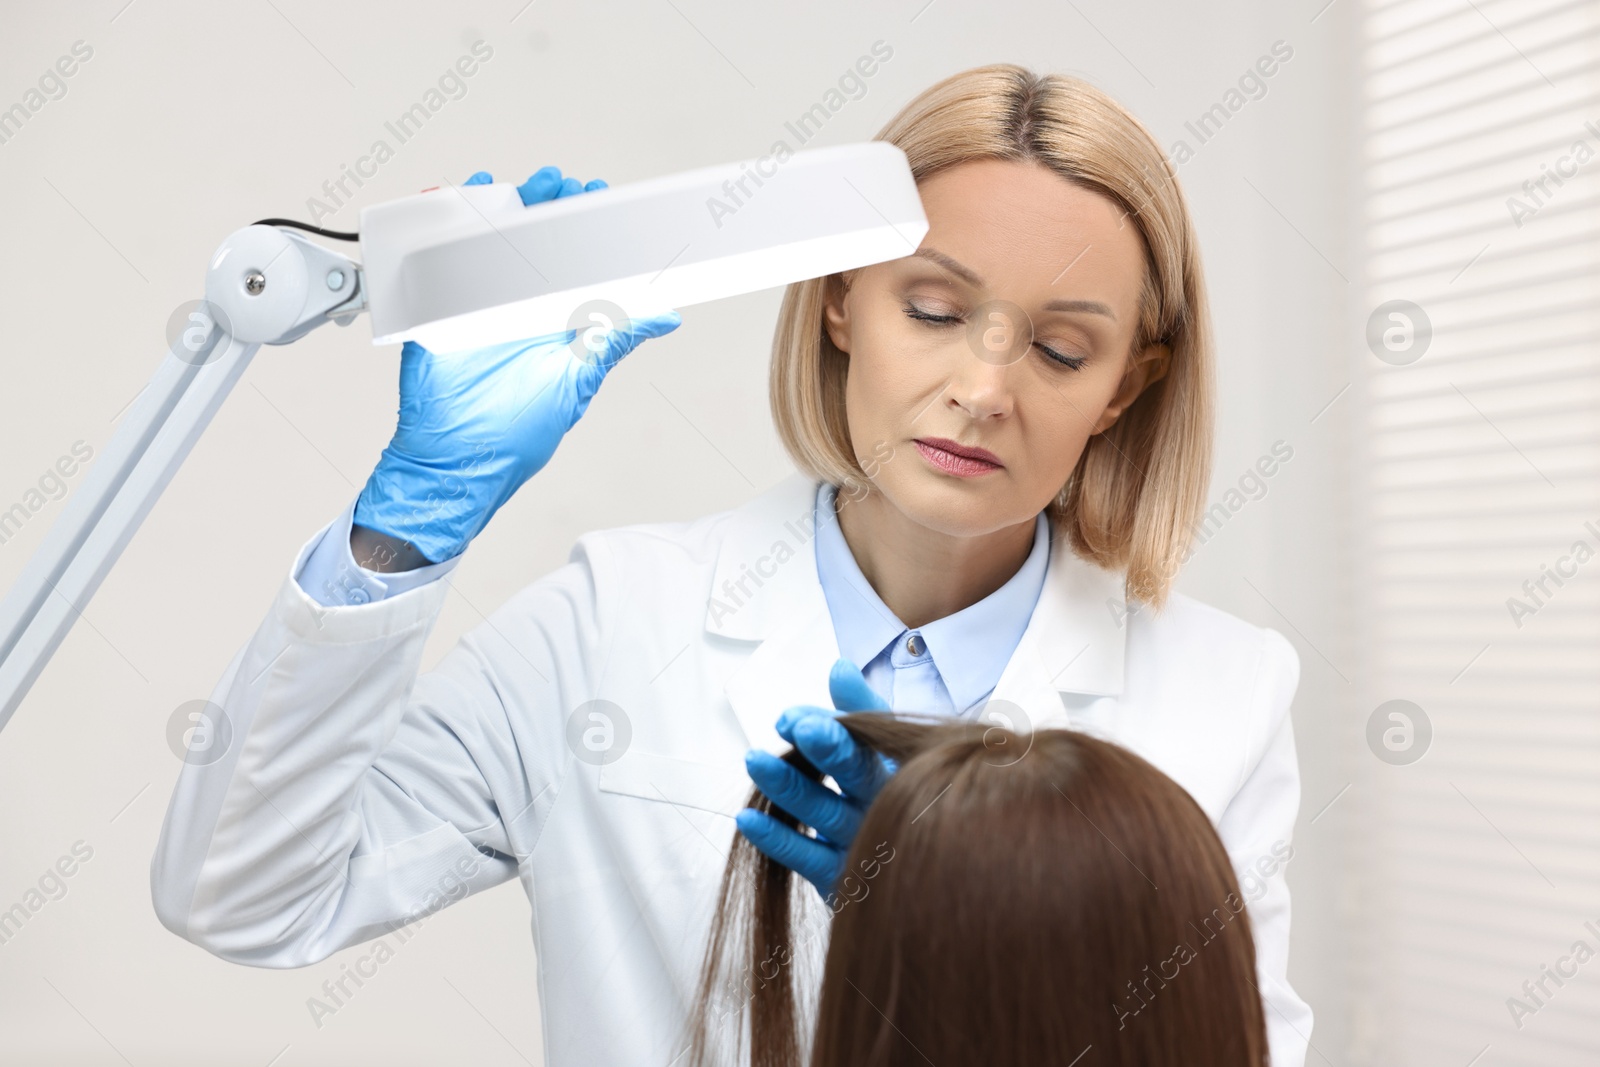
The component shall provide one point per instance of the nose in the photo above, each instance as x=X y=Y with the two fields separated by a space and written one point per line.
x=981 y=388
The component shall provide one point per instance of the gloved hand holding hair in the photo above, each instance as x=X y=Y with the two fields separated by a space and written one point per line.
x=835 y=816
x=475 y=425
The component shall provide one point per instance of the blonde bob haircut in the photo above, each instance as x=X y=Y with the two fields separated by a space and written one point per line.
x=1137 y=492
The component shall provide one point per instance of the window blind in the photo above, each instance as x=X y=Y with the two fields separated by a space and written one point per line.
x=1475 y=514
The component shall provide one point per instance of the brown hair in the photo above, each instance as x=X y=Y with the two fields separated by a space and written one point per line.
x=1138 y=490
x=1010 y=899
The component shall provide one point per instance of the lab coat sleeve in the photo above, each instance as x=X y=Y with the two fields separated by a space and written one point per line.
x=1258 y=827
x=346 y=795
x=331 y=575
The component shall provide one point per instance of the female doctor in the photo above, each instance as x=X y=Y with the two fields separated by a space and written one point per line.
x=1004 y=441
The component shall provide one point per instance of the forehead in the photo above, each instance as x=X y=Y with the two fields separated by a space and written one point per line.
x=1030 y=233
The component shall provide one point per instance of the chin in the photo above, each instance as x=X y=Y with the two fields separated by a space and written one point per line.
x=958 y=507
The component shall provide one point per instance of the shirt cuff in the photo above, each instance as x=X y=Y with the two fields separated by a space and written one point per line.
x=328 y=572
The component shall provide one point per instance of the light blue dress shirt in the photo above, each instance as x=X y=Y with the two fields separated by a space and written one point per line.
x=948 y=666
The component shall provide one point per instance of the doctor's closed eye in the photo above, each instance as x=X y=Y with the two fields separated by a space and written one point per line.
x=939 y=320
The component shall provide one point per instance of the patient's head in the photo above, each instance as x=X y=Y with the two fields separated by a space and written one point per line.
x=1044 y=898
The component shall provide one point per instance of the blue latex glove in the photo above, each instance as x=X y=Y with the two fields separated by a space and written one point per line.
x=475 y=425
x=859 y=772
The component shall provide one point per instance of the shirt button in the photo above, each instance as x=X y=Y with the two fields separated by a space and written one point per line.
x=359 y=596
x=913 y=645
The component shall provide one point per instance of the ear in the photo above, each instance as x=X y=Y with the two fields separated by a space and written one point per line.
x=1144 y=370
x=835 y=317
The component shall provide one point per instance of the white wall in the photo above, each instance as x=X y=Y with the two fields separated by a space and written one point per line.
x=193 y=119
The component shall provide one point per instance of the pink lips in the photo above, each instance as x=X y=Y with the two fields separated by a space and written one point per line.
x=963 y=461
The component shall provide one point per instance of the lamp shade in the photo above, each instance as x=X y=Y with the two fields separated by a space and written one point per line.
x=466 y=266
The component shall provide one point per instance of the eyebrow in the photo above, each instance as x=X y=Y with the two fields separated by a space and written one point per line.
x=966 y=275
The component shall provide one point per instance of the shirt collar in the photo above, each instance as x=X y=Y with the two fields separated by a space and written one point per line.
x=969 y=649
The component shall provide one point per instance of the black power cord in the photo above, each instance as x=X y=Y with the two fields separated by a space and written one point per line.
x=335 y=234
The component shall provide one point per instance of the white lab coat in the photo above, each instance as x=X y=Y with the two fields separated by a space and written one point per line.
x=356 y=793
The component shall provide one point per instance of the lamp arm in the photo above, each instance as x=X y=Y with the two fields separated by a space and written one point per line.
x=266 y=285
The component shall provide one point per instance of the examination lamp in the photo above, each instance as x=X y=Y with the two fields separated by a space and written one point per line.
x=453 y=268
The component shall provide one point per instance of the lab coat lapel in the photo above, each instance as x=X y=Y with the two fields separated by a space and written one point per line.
x=765 y=588
x=790 y=667
x=1075 y=641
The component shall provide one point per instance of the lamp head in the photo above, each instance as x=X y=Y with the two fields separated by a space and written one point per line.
x=467 y=266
